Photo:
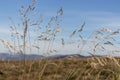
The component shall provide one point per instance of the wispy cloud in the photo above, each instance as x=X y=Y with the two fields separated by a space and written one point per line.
x=111 y=19
x=4 y=30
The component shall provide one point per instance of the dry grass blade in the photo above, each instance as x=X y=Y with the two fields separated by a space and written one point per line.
x=8 y=45
x=73 y=33
x=103 y=48
x=81 y=28
x=31 y=7
x=91 y=54
x=63 y=42
x=80 y=36
x=96 y=47
x=106 y=30
x=108 y=42
x=60 y=12
x=25 y=28
x=78 y=30
x=97 y=32
x=36 y=46
x=115 y=32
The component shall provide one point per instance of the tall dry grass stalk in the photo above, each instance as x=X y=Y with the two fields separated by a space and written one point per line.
x=22 y=35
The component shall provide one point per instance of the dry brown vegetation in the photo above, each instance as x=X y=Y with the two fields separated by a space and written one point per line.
x=99 y=68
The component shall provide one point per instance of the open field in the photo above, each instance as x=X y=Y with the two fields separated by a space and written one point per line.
x=46 y=33
x=104 y=68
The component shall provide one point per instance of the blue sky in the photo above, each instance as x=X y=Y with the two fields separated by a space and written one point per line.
x=96 y=13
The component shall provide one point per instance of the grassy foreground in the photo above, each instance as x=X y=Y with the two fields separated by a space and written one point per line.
x=104 y=68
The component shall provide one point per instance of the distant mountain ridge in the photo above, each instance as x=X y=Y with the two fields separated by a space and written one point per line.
x=66 y=56
x=5 y=56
